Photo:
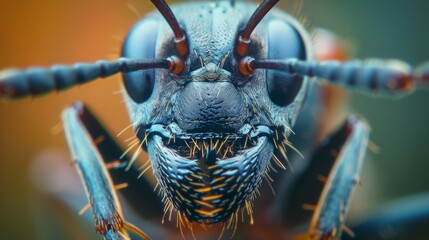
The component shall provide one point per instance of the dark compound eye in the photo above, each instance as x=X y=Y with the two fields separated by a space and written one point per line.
x=141 y=43
x=284 y=42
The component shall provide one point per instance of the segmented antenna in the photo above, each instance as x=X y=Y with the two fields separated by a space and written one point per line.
x=180 y=40
x=391 y=77
x=38 y=81
x=243 y=40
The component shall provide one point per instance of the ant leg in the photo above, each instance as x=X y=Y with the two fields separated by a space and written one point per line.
x=331 y=210
x=139 y=191
x=328 y=183
x=82 y=132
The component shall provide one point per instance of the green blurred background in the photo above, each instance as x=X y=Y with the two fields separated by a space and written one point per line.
x=46 y=32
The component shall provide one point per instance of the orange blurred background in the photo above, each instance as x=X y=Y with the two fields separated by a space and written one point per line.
x=47 y=32
x=43 y=33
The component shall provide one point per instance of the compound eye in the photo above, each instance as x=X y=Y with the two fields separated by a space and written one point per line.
x=141 y=43
x=284 y=42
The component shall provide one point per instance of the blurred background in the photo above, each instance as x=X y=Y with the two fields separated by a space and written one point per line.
x=47 y=32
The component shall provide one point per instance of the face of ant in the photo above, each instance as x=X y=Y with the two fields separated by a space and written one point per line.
x=210 y=133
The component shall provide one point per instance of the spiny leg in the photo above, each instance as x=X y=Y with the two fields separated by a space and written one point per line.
x=301 y=190
x=331 y=210
x=139 y=192
x=334 y=182
x=99 y=186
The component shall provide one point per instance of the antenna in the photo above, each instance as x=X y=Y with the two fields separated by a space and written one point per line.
x=390 y=77
x=38 y=81
x=180 y=40
x=243 y=40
